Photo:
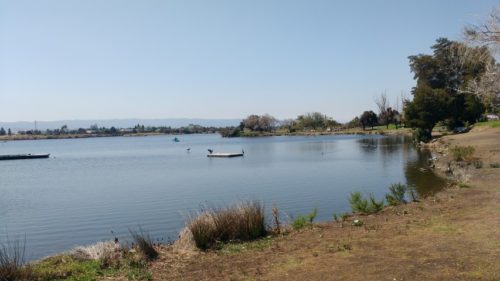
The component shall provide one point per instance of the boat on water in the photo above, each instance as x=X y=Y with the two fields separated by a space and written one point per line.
x=224 y=154
x=23 y=156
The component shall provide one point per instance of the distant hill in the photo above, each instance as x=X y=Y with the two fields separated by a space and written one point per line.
x=118 y=123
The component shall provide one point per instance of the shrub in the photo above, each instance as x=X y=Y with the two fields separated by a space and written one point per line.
x=365 y=206
x=397 y=194
x=462 y=153
x=335 y=217
x=375 y=206
x=12 y=262
x=300 y=222
x=144 y=243
x=463 y=185
x=478 y=164
x=242 y=222
x=358 y=204
x=344 y=216
x=304 y=220
x=495 y=165
x=311 y=216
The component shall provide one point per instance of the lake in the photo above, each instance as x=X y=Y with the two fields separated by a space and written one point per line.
x=90 y=187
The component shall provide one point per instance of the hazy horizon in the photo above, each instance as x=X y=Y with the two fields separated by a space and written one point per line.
x=117 y=123
x=101 y=60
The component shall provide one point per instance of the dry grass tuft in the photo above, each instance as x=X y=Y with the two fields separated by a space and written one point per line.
x=144 y=243
x=240 y=222
x=96 y=251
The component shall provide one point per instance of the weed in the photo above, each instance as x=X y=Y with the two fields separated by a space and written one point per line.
x=463 y=185
x=462 y=153
x=144 y=243
x=397 y=194
x=304 y=220
x=478 y=164
x=12 y=263
x=276 y=219
x=365 y=206
x=344 y=216
x=375 y=206
x=335 y=217
x=339 y=246
x=300 y=222
x=311 y=216
x=412 y=193
x=358 y=204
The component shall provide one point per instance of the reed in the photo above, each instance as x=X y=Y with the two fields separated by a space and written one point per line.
x=12 y=261
x=144 y=243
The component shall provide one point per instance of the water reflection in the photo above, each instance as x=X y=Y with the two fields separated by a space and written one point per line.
x=419 y=175
x=416 y=168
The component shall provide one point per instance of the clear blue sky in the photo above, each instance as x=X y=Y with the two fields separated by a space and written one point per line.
x=96 y=59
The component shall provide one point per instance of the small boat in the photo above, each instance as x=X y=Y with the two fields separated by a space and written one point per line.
x=23 y=156
x=176 y=140
x=224 y=154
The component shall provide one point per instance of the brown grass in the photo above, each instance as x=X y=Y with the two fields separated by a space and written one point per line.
x=241 y=222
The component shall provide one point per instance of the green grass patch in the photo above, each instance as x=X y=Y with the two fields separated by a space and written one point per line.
x=384 y=127
x=233 y=248
x=65 y=267
x=463 y=185
x=491 y=124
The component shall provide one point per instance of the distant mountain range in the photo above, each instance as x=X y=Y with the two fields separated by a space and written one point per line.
x=118 y=123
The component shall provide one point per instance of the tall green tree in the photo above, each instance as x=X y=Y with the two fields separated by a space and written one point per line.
x=368 y=118
x=442 y=80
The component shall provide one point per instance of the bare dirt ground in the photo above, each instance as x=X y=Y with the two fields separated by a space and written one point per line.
x=453 y=235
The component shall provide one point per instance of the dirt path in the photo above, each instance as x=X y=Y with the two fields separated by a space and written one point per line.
x=454 y=235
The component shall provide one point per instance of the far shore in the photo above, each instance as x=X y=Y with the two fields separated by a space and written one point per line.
x=353 y=131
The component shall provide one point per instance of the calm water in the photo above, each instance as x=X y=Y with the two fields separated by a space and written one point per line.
x=90 y=187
